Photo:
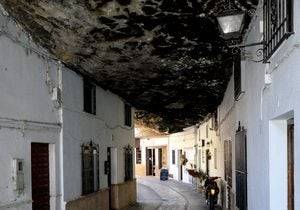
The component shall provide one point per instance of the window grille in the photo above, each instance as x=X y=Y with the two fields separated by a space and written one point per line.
x=128 y=163
x=89 y=97
x=278 y=24
x=128 y=117
x=90 y=168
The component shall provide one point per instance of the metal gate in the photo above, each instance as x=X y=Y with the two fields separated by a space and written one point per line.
x=241 y=169
x=40 y=176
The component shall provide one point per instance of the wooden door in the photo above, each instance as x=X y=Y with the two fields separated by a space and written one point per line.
x=290 y=158
x=40 y=176
x=241 y=169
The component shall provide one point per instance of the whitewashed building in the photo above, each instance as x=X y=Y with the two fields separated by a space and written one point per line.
x=182 y=154
x=65 y=143
x=259 y=116
x=151 y=155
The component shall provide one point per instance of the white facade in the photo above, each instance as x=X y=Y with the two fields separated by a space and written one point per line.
x=155 y=143
x=31 y=112
x=182 y=143
x=264 y=110
x=209 y=141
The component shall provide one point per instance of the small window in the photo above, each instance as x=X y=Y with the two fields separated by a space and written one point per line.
x=90 y=168
x=173 y=156
x=89 y=95
x=128 y=117
x=206 y=131
x=128 y=163
x=237 y=77
x=138 y=156
x=278 y=24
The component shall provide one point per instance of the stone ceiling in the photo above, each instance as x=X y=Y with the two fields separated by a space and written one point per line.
x=165 y=57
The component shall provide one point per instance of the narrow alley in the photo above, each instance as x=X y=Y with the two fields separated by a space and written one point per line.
x=149 y=104
x=153 y=194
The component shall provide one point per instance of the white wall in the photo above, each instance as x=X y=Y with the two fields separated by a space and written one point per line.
x=106 y=128
x=27 y=114
x=184 y=141
x=152 y=142
x=257 y=109
x=214 y=144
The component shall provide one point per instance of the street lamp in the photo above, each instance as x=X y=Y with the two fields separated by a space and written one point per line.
x=231 y=24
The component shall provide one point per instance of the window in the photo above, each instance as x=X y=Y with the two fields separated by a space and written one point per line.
x=128 y=163
x=90 y=168
x=173 y=156
x=207 y=131
x=278 y=24
x=89 y=97
x=237 y=77
x=128 y=117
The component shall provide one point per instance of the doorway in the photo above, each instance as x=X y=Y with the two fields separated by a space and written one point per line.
x=180 y=165
x=207 y=161
x=290 y=163
x=40 y=176
x=150 y=157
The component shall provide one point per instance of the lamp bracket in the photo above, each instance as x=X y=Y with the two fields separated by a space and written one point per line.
x=246 y=45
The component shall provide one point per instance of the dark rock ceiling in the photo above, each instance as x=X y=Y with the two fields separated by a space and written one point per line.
x=165 y=57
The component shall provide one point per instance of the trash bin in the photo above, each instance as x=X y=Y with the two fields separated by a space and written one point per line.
x=164 y=174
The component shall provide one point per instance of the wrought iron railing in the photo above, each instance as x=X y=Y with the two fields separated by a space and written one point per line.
x=278 y=24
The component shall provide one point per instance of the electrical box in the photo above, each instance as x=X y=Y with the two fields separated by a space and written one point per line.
x=18 y=174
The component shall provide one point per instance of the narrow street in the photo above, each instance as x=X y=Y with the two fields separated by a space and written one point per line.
x=156 y=194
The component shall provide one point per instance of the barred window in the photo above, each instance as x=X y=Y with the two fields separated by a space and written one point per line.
x=128 y=163
x=90 y=168
x=278 y=24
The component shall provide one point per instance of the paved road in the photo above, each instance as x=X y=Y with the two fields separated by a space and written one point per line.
x=154 y=194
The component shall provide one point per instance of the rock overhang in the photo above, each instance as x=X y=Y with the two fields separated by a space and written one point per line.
x=165 y=57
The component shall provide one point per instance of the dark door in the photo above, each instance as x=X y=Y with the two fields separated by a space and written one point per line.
x=108 y=172
x=153 y=162
x=207 y=162
x=290 y=158
x=241 y=169
x=150 y=158
x=40 y=176
x=180 y=164
x=148 y=162
x=160 y=158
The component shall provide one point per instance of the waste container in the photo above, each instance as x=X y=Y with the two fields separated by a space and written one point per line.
x=164 y=174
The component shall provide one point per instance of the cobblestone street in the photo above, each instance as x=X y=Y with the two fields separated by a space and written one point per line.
x=167 y=195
